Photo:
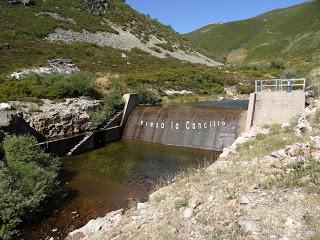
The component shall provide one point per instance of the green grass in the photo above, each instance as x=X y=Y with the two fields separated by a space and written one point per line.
x=265 y=144
x=305 y=174
x=181 y=203
x=290 y=34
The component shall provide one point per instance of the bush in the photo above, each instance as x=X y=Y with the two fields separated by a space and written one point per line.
x=181 y=203
x=245 y=89
x=148 y=96
x=111 y=105
x=277 y=64
x=52 y=86
x=27 y=177
x=289 y=73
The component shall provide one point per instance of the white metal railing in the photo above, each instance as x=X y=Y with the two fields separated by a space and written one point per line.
x=276 y=85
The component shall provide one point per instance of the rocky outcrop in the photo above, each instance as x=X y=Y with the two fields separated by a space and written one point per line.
x=59 y=65
x=24 y=2
x=109 y=221
x=58 y=119
x=100 y=4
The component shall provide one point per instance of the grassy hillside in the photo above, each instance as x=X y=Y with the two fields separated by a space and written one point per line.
x=23 y=44
x=23 y=30
x=291 y=34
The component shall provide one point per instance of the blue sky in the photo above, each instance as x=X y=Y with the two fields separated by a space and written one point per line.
x=187 y=15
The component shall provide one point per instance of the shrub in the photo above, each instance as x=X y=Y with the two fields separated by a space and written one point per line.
x=181 y=203
x=111 y=105
x=52 y=86
x=148 y=96
x=165 y=46
x=289 y=73
x=245 y=89
x=27 y=177
x=277 y=64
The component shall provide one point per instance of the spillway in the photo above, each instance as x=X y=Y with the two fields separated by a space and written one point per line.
x=203 y=128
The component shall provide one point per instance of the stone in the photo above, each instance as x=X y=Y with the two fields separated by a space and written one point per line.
x=225 y=154
x=171 y=92
x=240 y=140
x=187 y=213
x=111 y=220
x=244 y=200
x=249 y=227
x=219 y=166
x=5 y=106
x=123 y=55
x=141 y=206
x=316 y=140
x=291 y=223
x=304 y=125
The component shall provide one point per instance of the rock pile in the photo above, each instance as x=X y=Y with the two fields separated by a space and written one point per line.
x=171 y=92
x=100 y=4
x=56 y=66
x=24 y=2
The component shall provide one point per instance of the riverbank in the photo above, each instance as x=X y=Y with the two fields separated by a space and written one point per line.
x=266 y=186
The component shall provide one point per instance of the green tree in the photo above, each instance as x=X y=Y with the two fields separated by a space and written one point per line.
x=28 y=176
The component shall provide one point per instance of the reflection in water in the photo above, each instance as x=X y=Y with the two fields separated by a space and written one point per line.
x=110 y=178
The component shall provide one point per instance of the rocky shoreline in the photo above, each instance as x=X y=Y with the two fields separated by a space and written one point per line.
x=235 y=198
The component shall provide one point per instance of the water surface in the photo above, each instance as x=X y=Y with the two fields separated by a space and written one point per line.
x=110 y=178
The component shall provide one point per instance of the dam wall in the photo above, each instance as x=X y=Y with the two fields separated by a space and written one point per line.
x=203 y=128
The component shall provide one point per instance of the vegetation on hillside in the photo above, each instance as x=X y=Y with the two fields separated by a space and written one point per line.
x=23 y=31
x=290 y=34
x=27 y=177
x=52 y=86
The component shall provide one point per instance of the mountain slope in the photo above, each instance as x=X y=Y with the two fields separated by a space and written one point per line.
x=111 y=36
x=292 y=34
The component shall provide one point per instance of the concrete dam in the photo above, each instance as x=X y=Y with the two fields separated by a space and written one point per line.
x=203 y=128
